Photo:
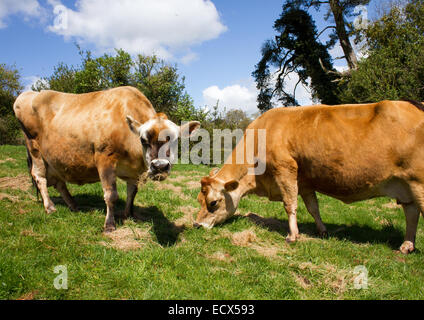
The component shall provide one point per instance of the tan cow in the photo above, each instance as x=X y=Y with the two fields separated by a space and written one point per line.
x=349 y=152
x=99 y=136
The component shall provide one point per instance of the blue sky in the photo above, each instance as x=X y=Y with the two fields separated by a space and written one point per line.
x=215 y=44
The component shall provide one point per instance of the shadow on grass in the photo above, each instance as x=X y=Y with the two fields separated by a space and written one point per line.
x=354 y=233
x=166 y=232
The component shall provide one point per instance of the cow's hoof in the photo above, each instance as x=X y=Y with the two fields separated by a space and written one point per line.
x=50 y=209
x=109 y=228
x=407 y=247
x=291 y=239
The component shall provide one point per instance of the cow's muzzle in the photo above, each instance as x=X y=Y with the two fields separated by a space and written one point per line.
x=159 y=169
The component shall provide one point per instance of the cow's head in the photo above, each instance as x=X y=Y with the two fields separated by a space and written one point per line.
x=158 y=136
x=217 y=201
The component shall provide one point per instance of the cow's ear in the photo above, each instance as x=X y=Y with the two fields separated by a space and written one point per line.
x=231 y=185
x=133 y=124
x=186 y=130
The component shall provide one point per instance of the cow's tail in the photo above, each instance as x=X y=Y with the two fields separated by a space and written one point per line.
x=34 y=183
x=29 y=159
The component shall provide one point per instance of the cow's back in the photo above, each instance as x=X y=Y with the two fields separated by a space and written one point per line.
x=74 y=129
x=349 y=149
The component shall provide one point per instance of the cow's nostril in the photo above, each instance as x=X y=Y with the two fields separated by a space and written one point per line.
x=196 y=225
x=160 y=165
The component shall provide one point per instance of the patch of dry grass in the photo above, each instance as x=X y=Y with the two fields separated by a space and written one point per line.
x=7 y=160
x=339 y=280
x=126 y=238
x=248 y=238
x=8 y=197
x=29 y=295
x=392 y=205
x=221 y=256
x=187 y=218
x=20 y=182
x=243 y=238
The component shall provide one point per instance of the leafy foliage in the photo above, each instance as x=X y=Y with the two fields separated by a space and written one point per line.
x=10 y=87
x=295 y=49
x=394 y=68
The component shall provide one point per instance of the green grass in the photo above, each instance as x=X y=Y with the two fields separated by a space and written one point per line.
x=185 y=263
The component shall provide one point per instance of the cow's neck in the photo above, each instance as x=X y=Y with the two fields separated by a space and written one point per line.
x=239 y=173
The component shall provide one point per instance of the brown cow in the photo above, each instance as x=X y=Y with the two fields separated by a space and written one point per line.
x=349 y=152
x=98 y=136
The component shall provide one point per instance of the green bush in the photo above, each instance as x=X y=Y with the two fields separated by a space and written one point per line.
x=10 y=132
x=10 y=87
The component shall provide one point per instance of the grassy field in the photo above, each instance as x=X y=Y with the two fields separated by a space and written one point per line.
x=160 y=256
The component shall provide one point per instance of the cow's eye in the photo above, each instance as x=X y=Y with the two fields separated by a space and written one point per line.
x=144 y=142
x=213 y=203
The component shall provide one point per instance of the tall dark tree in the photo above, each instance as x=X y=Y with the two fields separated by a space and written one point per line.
x=295 y=49
x=338 y=11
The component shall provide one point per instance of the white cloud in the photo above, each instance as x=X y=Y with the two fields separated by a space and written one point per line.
x=303 y=96
x=30 y=81
x=244 y=96
x=189 y=57
x=166 y=27
x=232 y=97
x=28 y=8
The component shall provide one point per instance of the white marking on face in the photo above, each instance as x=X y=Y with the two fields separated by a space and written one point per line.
x=170 y=148
x=167 y=151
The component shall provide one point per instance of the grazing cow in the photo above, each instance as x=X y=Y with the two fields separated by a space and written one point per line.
x=98 y=136
x=349 y=152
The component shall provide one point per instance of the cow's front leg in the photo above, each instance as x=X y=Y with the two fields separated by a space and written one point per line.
x=108 y=179
x=412 y=214
x=131 y=193
x=291 y=209
x=288 y=187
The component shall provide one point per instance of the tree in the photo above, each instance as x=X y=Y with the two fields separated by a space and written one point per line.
x=295 y=49
x=394 y=67
x=339 y=11
x=10 y=87
x=237 y=119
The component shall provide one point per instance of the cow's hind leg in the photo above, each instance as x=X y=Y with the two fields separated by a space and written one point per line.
x=64 y=192
x=131 y=193
x=107 y=173
x=412 y=214
x=311 y=203
x=38 y=171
